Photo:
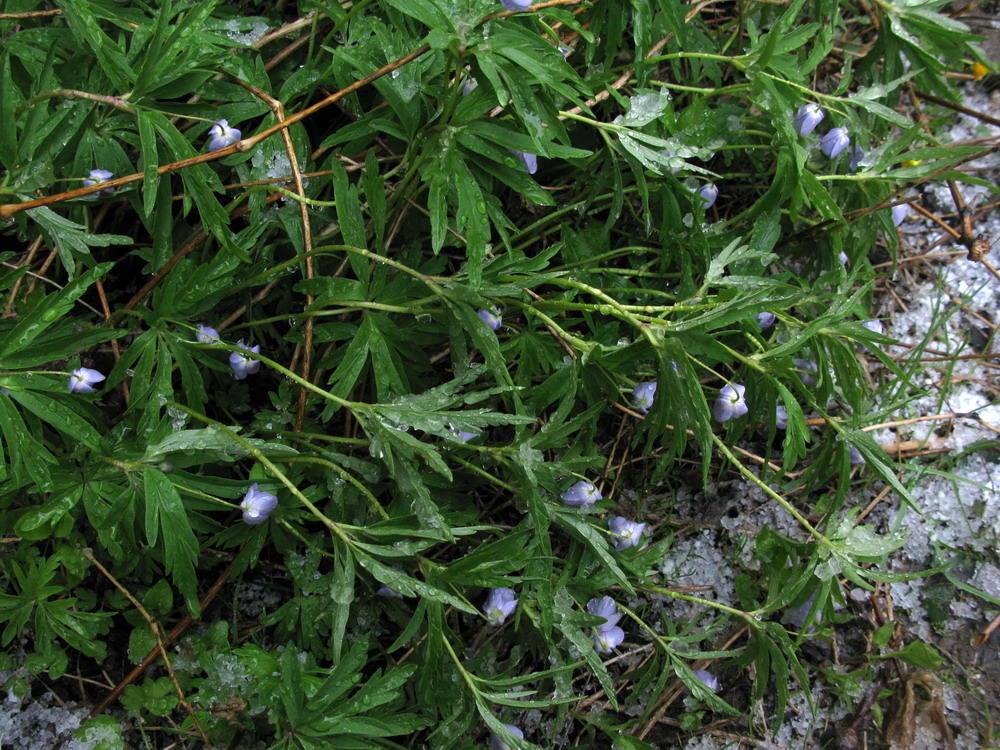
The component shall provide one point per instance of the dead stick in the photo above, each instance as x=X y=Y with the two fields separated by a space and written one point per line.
x=9 y=209
x=179 y=628
x=160 y=647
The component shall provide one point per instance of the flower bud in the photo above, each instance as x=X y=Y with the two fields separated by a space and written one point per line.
x=643 y=395
x=604 y=607
x=499 y=744
x=243 y=364
x=807 y=118
x=781 y=417
x=530 y=161
x=608 y=639
x=833 y=143
x=207 y=335
x=708 y=192
x=708 y=679
x=580 y=494
x=492 y=318
x=765 y=320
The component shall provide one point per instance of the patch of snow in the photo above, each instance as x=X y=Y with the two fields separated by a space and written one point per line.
x=255 y=598
x=243 y=33
x=698 y=561
x=38 y=724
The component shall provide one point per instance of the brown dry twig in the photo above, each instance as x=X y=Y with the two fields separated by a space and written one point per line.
x=307 y=239
x=29 y=14
x=172 y=636
x=160 y=647
x=8 y=210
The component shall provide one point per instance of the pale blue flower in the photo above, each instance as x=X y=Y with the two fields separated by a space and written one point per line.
x=856 y=457
x=469 y=85
x=500 y=604
x=257 y=505
x=808 y=370
x=781 y=417
x=765 y=320
x=842 y=257
x=530 y=161
x=604 y=607
x=607 y=640
x=207 y=335
x=388 y=593
x=516 y=5
x=643 y=395
x=222 y=135
x=899 y=213
x=708 y=679
x=834 y=142
x=499 y=744
x=462 y=435
x=731 y=403
x=875 y=326
x=491 y=318
x=671 y=155
x=797 y=615
x=708 y=192
x=96 y=177
x=807 y=118
x=625 y=533
x=854 y=160
x=82 y=380
x=243 y=364
x=580 y=494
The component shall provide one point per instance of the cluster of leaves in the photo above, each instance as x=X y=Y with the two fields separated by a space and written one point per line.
x=355 y=247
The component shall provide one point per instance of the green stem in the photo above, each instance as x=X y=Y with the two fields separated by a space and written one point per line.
x=485 y=474
x=318 y=436
x=203 y=495
x=603 y=309
x=347 y=476
x=289 y=194
x=707 y=602
x=750 y=362
x=724 y=449
x=430 y=281
x=734 y=88
x=354 y=406
x=644 y=329
x=353 y=306
x=454 y=94
x=737 y=62
x=458 y=665
x=269 y=464
x=528 y=231
x=578 y=343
